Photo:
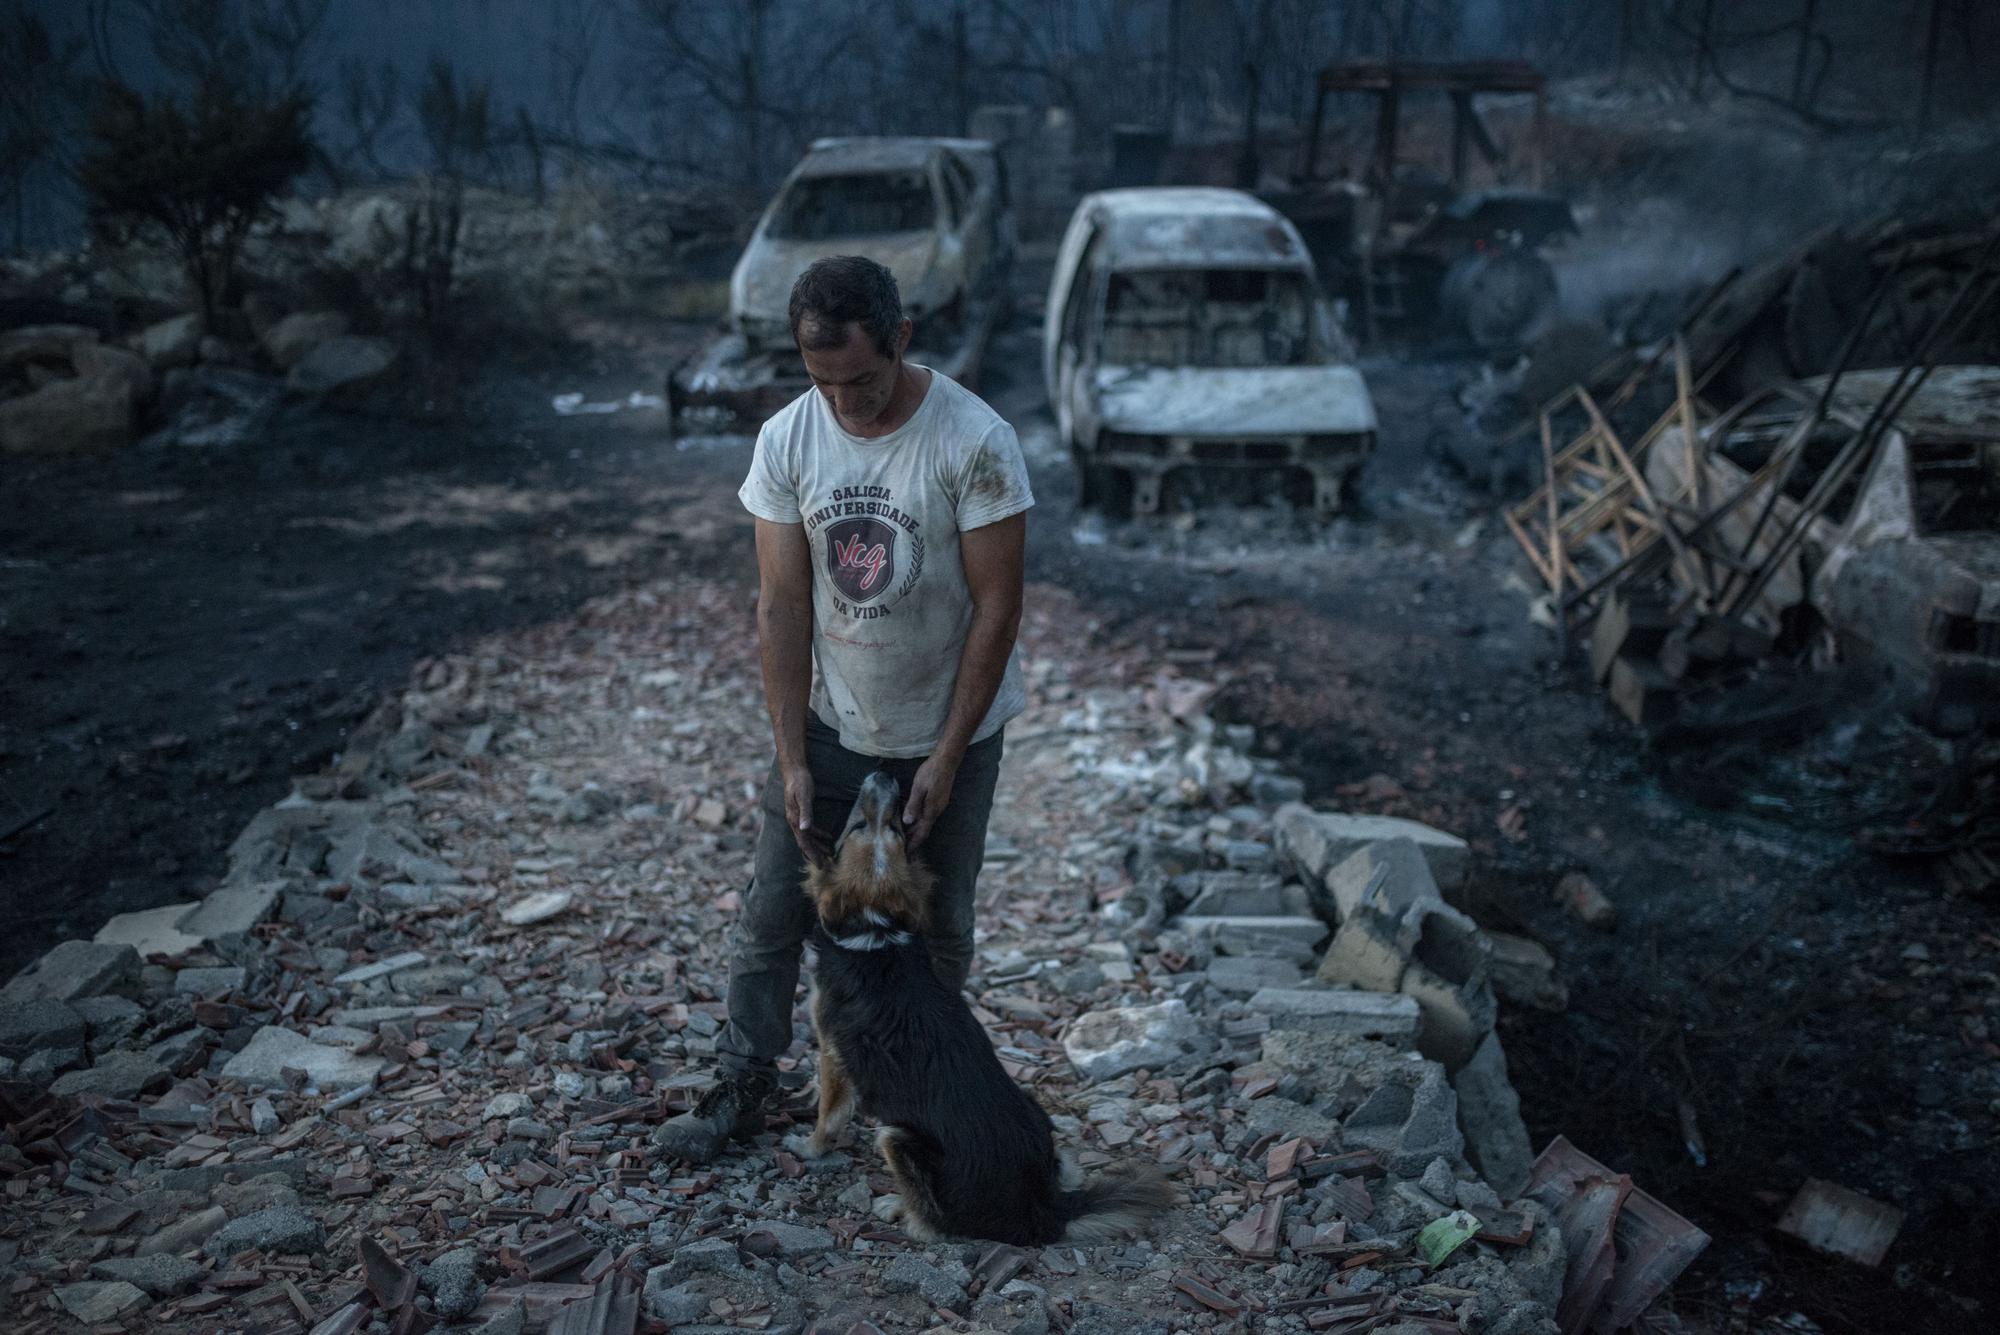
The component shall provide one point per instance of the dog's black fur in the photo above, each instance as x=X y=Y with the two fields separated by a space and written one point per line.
x=972 y=1152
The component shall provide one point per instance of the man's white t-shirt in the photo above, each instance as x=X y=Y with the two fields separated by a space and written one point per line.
x=882 y=516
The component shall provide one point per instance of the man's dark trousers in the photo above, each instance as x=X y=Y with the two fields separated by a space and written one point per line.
x=776 y=915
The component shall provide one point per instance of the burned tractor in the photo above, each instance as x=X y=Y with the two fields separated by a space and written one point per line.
x=1416 y=254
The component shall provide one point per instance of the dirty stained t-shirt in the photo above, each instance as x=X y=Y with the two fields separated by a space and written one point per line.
x=882 y=516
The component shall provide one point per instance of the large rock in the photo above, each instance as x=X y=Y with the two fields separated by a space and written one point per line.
x=117 y=1075
x=290 y=339
x=100 y=359
x=74 y=970
x=1107 y=1043
x=1318 y=841
x=272 y=1050
x=345 y=362
x=1386 y=1016
x=77 y=415
x=1489 y=1113
x=175 y=342
x=38 y=1025
x=110 y=1020
x=43 y=345
x=151 y=931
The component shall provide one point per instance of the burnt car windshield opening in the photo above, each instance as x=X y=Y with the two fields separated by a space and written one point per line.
x=1956 y=487
x=824 y=208
x=1208 y=318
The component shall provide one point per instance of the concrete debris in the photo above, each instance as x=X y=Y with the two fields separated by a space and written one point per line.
x=1524 y=973
x=1409 y=1125
x=362 y=1044
x=34 y=1026
x=152 y=931
x=97 y=1301
x=1489 y=1112
x=1831 y=1219
x=75 y=970
x=538 y=907
x=1318 y=841
x=118 y=1075
x=161 y=1275
x=282 y=1228
x=1580 y=895
x=1107 y=1043
x=1368 y=1014
x=273 y=1050
x=452 y=1281
x=943 y=1285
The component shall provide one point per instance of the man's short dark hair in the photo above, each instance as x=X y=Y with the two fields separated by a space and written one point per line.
x=841 y=290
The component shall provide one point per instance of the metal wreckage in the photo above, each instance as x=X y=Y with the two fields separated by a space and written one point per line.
x=1805 y=474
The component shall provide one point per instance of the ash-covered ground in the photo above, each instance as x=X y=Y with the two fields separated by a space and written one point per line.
x=186 y=629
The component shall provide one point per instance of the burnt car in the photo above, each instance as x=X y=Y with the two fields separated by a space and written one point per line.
x=1186 y=331
x=1902 y=566
x=933 y=210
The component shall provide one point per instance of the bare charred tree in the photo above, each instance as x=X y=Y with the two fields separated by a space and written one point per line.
x=575 y=32
x=725 y=47
x=36 y=105
x=367 y=102
x=198 y=172
x=456 y=122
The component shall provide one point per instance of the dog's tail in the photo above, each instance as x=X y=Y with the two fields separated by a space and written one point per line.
x=1115 y=1205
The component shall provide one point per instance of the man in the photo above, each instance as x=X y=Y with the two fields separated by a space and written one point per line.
x=890 y=507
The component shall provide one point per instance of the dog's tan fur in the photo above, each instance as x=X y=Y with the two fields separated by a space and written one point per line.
x=879 y=895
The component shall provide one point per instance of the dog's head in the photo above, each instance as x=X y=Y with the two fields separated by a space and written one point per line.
x=872 y=884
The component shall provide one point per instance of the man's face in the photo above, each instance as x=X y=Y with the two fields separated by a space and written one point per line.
x=856 y=378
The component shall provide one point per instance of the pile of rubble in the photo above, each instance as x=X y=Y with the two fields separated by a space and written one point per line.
x=402 y=1067
x=65 y=388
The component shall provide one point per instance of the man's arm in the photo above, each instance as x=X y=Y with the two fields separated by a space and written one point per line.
x=784 y=646
x=994 y=557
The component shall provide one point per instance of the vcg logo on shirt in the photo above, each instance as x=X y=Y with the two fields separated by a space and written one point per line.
x=861 y=558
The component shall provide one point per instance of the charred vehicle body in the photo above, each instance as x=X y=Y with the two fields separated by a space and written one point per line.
x=1186 y=330
x=933 y=210
x=1902 y=563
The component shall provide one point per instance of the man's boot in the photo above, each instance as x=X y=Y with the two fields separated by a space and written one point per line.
x=733 y=1110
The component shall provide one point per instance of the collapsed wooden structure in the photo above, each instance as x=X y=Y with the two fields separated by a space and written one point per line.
x=1665 y=573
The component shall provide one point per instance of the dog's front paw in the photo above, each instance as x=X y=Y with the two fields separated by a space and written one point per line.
x=805 y=1144
x=888 y=1208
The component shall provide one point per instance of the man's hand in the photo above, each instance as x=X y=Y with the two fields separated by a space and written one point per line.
x=814 y=843
x=930 y=794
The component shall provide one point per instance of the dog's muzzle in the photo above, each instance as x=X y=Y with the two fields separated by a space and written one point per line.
x=875 y=807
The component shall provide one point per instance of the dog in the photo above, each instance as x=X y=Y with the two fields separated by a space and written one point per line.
x=972 y=1154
